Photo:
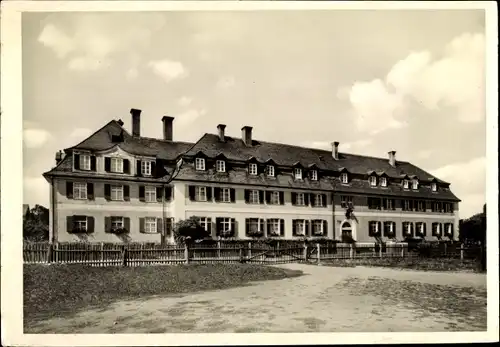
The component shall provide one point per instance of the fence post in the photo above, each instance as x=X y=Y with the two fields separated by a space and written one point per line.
x=218 y=249
x=49 y=253
x=445 y=249
x=350 y=251
x=250 y=249
x=186 y=253
x=402 y=250
x=241 y=254
x=305 y=251
x=102 y=253
x=124 y=256
x=55 y=253
x=318 y=247
x=380 y=250
x=462 y=252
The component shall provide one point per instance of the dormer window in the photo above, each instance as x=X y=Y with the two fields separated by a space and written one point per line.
x=434 y=187
x=220 y=166
x=415 y=184
x=297 y=173
x=117 y=165
x=200 y=164
x=344 y=178
x=314 y=175
x=406 y=184
x=252 y=169
x=84 y=162
x=146 y=166
x=270 y=170
x=383 y=181
x=373 y=181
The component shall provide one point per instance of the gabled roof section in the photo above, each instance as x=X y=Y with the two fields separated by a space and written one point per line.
x=102 y=140
x=288 y=155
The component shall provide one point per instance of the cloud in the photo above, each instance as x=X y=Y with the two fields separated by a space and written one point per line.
x=36 y=191
x=132 y=74
x=226 y=82
x=424 y=154
x=80 y=134
x=93 y=40
x=36 y=138
x=455 y=81
x=168 y=70
x=468 y=182
x=185 y=101
x=188 y=117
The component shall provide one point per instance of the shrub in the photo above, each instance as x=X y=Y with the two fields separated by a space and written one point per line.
x=189 y=230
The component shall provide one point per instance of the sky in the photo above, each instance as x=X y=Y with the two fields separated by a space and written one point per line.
x=404 y=80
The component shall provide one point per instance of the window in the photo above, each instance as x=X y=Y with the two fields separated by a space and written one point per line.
x=448 y=207
x=300 y=227
x=407 y=205
x=434 y=187
x=225 y=194
x=220 y=166
x=373 y=181
x=318 y=200
x=150 y=194
x=373 y=228
x=374 y=203
x=80 y=191
x=389 y=228
x=421 y=228
x=117 y=193
x=80 y=224
x=146 y=167
x=318 y=227
x=344 y=178
x=388 y=204
x=383 y=181
x=255 y=227
x=301 y=199
x=200 y=164
x=274 y=227
x=297 y=173
x=449 y=229
x=314 y=175
x=436 y=229
x=415 y=184
x=84 y=162
x=117 y=223
x=205 y=223
x=150 y=225
x=270 y=170
x=436 y=206
x=254 y=197
x=421 y=206
x=225 y=225
x=275 y=198
x=252 y=169
x=117 y=165
x=200 y=193
x=345 y=201
x=406 y=228
x=406 y=184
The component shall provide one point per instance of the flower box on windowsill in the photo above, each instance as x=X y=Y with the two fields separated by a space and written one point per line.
x=226 y=233
x=79 y=231
x=255 y=233
x=119 y=231
x=273 y=234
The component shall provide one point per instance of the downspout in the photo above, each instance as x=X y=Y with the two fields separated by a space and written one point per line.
x=53 y=211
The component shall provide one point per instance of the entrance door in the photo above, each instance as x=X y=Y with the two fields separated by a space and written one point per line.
x=346 y=231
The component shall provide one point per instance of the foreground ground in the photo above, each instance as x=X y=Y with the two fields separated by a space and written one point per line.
x=325 y=299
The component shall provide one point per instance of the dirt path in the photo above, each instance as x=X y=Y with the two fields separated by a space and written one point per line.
x=326 y=299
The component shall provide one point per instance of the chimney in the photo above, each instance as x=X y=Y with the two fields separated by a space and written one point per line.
x=335 y=150
x=221 y=128
x=246 y=135
x=392 y=158
x=167 y=127
x=136 y=122
x=59 y=157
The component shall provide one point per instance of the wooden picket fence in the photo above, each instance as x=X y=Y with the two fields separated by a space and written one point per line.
x=139 y=254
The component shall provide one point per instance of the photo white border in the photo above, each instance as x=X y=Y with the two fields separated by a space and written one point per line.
x=12 y=179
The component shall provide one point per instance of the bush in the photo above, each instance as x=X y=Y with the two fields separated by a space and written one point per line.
x=189 y=230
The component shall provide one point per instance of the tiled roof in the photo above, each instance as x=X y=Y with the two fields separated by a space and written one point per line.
x=288 y=155
x=102 y=140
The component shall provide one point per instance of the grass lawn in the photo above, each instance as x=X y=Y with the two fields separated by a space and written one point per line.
x=422 y=264
x=60 y=290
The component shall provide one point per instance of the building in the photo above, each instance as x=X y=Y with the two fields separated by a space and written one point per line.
x=118 y=187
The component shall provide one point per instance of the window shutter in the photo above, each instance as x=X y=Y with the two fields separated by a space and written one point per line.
x=90 y=224
x=311 y=199
x=261 y=196
x=126 y=193
x=209 y=226
x=142 y=193
x=127 y=223
x=107 y=192
x=90 y=191
x=306 y=199
x=69 y=190
x=138 y=168
x=294 y=226
x=126 y=166
x=247 y=195
x=159 y=225
x=233 y=226
x=247 y=226
x=153 y=169
x=168 y=193
x=159 y=194
x=107 y=164
x=77 y=161
x=370 y=228
x=209 y=193
x=379 y=227
x=425 y=229
x=324 y=200
x=307 y=226
x=294 y=199
x=282 y=198
x=268 y=197
x=325 y=227
x=107 y=224
x=233 y=194
x=69 y=224
x=412 y=227
x=93 y=163
x=217 y=194
x=218 y=222
x=191 y=193
x=282 y=227
x=261 y=225
x=268 y=227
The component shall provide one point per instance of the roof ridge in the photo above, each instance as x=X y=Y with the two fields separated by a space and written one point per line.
x=95 y=132
x=163 y=140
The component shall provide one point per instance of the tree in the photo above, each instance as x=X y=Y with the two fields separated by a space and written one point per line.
x=36 y=224
x=189 y=230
